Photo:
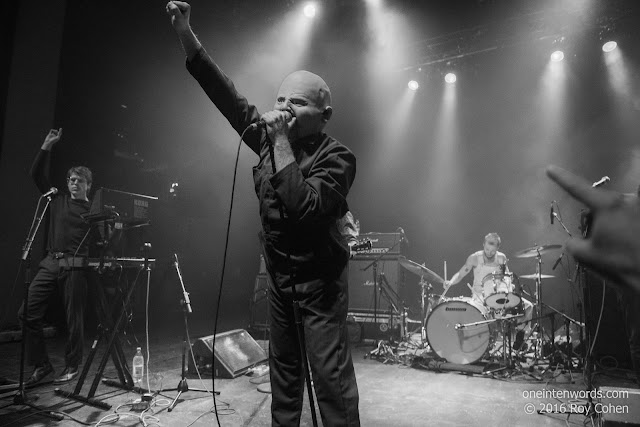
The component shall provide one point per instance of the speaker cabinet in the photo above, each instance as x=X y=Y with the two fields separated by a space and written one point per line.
x=611 y=340
x=236 y=351
x=620 y=411
x=361 y=284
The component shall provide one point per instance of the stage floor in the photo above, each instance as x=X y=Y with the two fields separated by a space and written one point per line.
x=391 y=394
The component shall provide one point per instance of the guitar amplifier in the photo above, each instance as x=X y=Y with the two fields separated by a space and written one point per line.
x=361 y=283
x=387 y=243
x=365 y=325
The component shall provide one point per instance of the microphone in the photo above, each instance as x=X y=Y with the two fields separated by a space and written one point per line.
x=261 y=124
x=557 y=261
x=551 y=213
x=404 y=236
x=602 y=181
x=185 y=295
x=52 y=192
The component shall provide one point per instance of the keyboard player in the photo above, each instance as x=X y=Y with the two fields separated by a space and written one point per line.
x=61 y=270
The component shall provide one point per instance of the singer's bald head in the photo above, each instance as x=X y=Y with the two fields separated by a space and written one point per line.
x=312 y=84
x=308 y=98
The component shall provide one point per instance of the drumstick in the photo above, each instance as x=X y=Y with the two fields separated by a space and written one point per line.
x=443 y=294
x=445 y=279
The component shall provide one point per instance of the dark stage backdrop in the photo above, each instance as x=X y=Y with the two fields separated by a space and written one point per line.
x=447 y=164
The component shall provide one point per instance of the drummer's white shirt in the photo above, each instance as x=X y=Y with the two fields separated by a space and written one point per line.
x=482 y=269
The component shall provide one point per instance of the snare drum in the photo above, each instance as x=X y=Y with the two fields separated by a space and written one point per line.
x=466 y=344
x=499 y=291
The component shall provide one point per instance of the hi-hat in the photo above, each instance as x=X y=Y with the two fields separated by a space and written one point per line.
x=535 y=276
x=536 y=250
x=420 y=270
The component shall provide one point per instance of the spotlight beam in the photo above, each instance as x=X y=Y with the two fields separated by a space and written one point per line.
x=449 y=58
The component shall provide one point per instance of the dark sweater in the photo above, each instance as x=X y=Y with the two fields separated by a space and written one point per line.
x=66 y=226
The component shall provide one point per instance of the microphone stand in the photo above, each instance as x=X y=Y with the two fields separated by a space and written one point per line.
x=568 y=320
x=21 y=398
x=296 y=306
x=588 y=361
x=540 y=327
x=589 y=411
x=183 y=385
x=395 y=304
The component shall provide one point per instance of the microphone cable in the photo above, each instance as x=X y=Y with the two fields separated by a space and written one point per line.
x=224 y=264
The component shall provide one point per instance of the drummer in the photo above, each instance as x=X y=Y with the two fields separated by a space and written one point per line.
x=490 y=260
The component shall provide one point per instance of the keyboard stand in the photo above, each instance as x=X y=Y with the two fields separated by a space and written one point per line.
x=114 y=349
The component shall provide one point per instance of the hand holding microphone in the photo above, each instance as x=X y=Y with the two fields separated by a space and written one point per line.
x=275 y=122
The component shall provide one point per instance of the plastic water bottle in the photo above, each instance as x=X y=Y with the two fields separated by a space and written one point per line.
x=138 y=367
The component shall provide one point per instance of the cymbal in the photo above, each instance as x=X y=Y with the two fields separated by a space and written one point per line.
x=420 y=270
x=535 y=276
x=535 y=250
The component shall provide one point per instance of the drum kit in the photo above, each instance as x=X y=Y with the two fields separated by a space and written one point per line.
x=464 y=330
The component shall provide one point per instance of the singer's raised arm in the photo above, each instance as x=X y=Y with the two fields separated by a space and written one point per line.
x=222 y=92
x=218 y=87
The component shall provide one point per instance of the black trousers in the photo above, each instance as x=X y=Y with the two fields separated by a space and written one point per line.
x=72 y=283
x=324 y=305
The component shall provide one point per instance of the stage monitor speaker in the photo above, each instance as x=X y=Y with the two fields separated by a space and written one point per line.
x=236 y=351
x=361 y=282
x=622 y=410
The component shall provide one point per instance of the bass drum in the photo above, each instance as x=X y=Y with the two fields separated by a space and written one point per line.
x=464 y=345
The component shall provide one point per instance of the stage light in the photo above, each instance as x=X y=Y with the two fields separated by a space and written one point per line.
x=450 y=78
x=310 y=10
x=413 y=85
x=557 y=56
x=609 y=46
